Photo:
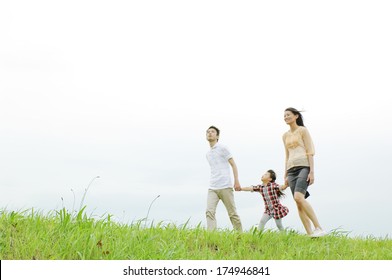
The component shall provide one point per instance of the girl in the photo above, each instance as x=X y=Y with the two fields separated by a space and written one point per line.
x=300 y=168
x=271 y=193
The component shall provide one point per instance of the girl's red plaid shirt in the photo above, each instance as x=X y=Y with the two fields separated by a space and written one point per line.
x=270 y=194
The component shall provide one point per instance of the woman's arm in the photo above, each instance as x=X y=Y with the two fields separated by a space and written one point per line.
x=309 y=147
x=310 y=178
x=286 y=182
x=283 y=187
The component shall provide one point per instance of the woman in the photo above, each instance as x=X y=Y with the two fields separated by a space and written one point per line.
x=300 y=168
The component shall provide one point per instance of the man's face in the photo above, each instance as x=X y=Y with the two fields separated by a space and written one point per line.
x=212 y=135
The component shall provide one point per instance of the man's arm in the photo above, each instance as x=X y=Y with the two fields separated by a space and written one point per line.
x=237 y=185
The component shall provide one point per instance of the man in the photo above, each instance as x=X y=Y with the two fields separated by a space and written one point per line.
x=221 y=186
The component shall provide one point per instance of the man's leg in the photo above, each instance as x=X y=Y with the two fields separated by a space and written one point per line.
x=227 y=196
x=212 y=202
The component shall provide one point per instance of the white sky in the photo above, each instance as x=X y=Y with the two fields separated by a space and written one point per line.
x=126 y=89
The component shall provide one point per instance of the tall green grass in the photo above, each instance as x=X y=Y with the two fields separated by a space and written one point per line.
x=61 y=235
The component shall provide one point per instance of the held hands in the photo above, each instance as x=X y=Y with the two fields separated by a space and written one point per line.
x=285 y=184
x=237 y=186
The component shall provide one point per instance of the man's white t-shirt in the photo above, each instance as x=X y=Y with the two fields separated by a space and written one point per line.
x=218 y=158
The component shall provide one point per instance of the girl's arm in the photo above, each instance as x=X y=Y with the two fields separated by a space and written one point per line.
x=248 y=189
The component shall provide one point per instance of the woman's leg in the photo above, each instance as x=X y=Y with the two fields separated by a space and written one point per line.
x=299 y=185
x=306 y=213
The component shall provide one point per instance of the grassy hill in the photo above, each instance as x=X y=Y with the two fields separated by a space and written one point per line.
x=60 y=235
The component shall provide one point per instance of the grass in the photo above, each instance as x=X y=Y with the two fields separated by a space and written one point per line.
x=61 y=235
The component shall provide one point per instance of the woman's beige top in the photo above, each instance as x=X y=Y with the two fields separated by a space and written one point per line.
x=298 y=146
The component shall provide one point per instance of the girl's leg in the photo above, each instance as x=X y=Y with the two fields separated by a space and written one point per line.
x=279 y=224
x=264 y=219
